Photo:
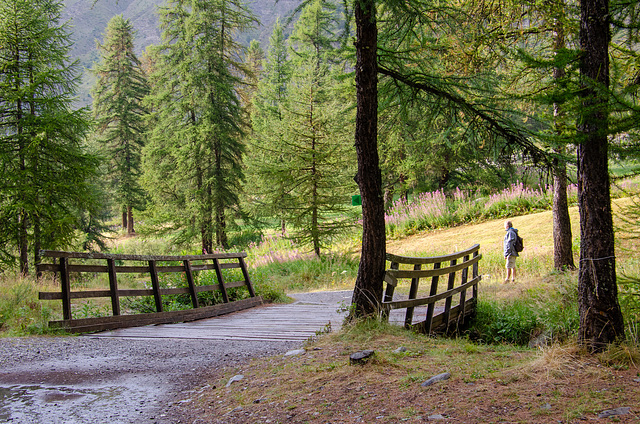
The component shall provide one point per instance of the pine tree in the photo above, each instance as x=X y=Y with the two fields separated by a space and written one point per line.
x=120 y=88
x=45 y=169
x=194 y=161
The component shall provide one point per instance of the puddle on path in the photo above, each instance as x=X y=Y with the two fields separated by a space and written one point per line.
x=27 y=404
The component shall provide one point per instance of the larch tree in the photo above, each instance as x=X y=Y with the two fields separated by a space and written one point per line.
x=264 y=159
x=194 y=160
x=45 y=170
x=309 y=156
x=367 y=293
x=398 y=56
x=562 y=234
x=118 y=94
x=601 y=320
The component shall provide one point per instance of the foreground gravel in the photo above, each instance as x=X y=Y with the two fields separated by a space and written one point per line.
x=98 y=380
x=87 y=379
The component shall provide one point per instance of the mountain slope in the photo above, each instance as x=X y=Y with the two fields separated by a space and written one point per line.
x=88 y=20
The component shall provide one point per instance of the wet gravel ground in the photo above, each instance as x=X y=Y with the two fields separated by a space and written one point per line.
x=91 y=380
x=85 y=379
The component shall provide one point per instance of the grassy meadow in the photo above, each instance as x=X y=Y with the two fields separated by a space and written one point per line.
x=541 y=301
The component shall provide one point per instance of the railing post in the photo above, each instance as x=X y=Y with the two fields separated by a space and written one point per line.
x=65 y=287
x=431 y=307
x=192 y=286
x=245 y=274
x=447 y=302
x=155 y=283
x=388 y=294
x=413 y=292
x=474 y=274
x=113 y=287
x=223 y=289
x=463 y=293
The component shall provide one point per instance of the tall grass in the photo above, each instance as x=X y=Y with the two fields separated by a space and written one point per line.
x=278 y=262
x=20 y=310
x=548 y=313
x=436 y=210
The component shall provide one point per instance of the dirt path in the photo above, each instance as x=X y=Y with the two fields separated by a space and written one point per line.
x=122 y=379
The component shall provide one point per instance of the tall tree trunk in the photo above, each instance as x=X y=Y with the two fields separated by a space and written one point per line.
x=562 y=237
x=130 y=230
x=37 y=242
x=124 y=218
x=206 y=236
x=23 y=243
x=367 y=293
x=221 y=228
x=388 y=197
x=601 y=320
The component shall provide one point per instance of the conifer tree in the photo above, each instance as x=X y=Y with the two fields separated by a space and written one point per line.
x=44 y=167
x=194 y=160
x=601 y=320
x=309 y=158
x=267 y=192
x=120 y=87
x=253 y=59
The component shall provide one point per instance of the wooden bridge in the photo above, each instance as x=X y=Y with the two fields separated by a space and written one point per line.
x=112 y=264
x=310 y=314
x=445 y=311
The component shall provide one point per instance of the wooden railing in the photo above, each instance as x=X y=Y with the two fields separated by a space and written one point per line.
x=113 y=265
x=451 y=316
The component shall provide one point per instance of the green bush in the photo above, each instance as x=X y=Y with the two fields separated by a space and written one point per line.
x=550 y=310
x=512 y=322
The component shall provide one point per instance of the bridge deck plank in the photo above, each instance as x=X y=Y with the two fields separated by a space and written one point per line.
x=296 y=321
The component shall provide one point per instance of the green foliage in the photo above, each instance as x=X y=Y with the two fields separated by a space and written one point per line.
x=193 y=160
x=119 y=90
x=301 y=148
x=21 y=313
x=514 y=322
x=629 y=296
x=551 y=312
x=45 y=168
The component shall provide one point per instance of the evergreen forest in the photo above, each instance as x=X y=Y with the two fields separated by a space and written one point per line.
x=356 y=123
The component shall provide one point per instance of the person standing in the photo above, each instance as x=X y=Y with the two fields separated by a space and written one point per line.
x=510 y=253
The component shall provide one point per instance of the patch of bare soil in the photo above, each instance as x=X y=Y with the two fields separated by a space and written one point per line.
x=487 y=384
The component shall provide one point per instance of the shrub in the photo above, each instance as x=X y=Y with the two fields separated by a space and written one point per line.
x=513 y=322
x=550 y=309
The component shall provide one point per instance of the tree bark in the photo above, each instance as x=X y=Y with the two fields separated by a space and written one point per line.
x=562 y=236
x=367 y=293
x=23 y=242
x=130 y=230
x=601 y=320
x=124 y=218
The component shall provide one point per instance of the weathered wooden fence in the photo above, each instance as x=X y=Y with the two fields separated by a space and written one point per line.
x=451 y=316
x=113 y=265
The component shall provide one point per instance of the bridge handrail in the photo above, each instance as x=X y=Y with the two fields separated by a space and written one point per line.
x=452 y=313
x=155 y=265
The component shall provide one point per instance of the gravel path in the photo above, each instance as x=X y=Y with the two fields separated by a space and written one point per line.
x=89 y=379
